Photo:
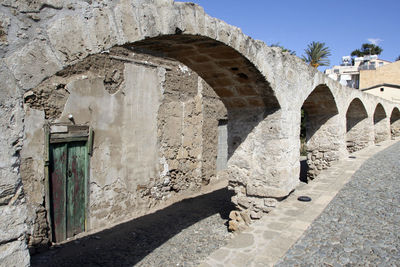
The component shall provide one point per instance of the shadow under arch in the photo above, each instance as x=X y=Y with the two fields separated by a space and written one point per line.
x=128 y=243
x=234 y=78
x=244 y=90
x=395 y=122
x=320 y=108
x=357 y=126
x=380 y=124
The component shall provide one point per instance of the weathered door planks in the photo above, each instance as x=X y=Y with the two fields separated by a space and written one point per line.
x=67 y=184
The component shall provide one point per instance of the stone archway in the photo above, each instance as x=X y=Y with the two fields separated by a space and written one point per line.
x=111 y=91
x=70 y=37
x=381 y=124
x=395 y=123
x=247 y=95
x=358 y=127
x=322 y=137
x=233 y=77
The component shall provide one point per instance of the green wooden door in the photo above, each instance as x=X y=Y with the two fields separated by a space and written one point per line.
x=67 y=188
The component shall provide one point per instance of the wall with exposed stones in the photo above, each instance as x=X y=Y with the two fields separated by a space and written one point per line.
x=50 y=53
x=395 y=123
x=358 y=127
x=155 y=124
x=381 y=124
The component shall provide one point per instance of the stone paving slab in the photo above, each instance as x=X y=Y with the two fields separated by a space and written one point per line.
x=267 y=240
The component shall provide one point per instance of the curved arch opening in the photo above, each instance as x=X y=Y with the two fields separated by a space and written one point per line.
x=161 y=127
x=395 y=123
x=381 y=124
x=321 y=136
x=357 y=126
x=233 y=77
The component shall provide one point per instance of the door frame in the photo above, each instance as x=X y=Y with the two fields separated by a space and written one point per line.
x=65 y=133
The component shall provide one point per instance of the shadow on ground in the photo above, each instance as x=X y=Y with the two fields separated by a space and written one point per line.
x=126 y=244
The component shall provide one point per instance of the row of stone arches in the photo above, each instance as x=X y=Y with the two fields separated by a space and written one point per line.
x=323 y=135
x=260 y=87
x=361 y=131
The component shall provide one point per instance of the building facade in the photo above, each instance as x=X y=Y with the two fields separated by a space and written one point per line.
x=348 y=72
x=383 y=82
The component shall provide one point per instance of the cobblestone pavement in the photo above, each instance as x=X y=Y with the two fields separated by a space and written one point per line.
x=352 y=220
x=359 y=227
x=362 y=223
x=182 y=234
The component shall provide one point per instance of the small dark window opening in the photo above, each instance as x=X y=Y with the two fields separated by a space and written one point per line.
x=382 y=89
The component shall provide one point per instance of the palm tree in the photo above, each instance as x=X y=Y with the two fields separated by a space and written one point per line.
x=317 y=54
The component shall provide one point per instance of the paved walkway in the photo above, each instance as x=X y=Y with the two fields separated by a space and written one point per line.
x=361 y=226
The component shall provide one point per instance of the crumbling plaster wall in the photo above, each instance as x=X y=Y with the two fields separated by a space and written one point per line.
x=148 y=117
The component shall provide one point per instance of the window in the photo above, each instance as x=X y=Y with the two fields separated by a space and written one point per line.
x=382 y=89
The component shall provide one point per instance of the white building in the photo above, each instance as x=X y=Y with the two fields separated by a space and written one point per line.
x=348 y=73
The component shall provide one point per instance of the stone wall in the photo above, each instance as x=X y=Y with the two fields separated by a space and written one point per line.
x=155 y=124
x=395 y=123
x=322 y=130
x=381 y=122
x=358 y=127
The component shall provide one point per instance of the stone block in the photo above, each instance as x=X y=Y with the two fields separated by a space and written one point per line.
x=244 y=201
x=14 y=254
x=127 y=23
x=69 y=38
x=9 y=89
x=12 y=222
x=256 y=215
x=270 y=202
x=265 y=191
x=33 y=63
x=223 y=31
x=192 y=18
x=102 y=30
x=238 y=220
x=148 y=20
x=5 y=22
x=210 y=26
x=33 y=6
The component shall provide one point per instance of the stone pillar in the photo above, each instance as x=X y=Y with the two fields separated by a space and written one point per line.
x=325 y=142
x=263 y=167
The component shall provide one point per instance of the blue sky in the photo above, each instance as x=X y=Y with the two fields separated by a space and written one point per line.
x=342 y=24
